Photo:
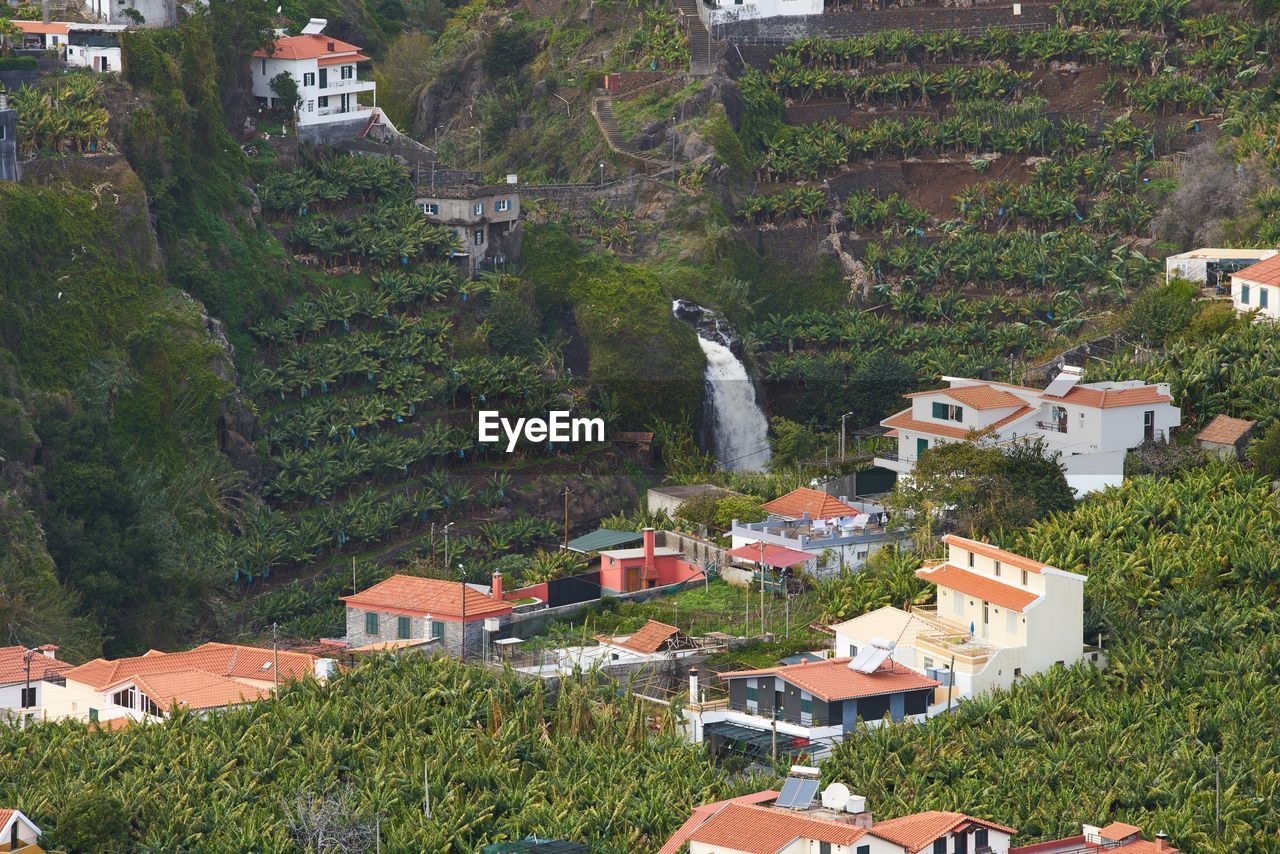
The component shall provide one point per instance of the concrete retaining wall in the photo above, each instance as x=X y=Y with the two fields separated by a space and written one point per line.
x=852 y=22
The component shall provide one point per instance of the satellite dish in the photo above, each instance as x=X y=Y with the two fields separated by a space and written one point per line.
x=836 y=796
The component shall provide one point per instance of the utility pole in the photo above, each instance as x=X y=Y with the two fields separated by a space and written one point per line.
x=464 y=611
x=842 y=440
x=762 y=629
x=426 y=792
x=567 y=492
x=354 y=590
x=446 y=544
x=1217 y=797
x=27 y=702
x=275 y=661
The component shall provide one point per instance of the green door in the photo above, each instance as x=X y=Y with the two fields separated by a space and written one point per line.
x=922 y=445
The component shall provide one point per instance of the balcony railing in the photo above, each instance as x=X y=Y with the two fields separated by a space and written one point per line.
x=781 y=717
x=1052 y=426
x=889 y=455
x=950 y=639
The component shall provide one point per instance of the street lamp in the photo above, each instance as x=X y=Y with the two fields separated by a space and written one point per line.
x=446 y=543
x=27 y=700
x=463 y=573
x=842 y=445
x=602 y=174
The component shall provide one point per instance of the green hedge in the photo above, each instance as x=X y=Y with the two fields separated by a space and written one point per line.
x=17 y=63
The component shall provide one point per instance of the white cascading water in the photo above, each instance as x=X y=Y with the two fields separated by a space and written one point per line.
x=740 y=431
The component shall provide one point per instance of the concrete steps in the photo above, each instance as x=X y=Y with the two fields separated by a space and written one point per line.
x=702 y=58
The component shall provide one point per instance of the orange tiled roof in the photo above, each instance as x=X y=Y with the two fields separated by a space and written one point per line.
x=410 y=594
x=195 y=689
x=1225 y=430
x=914 y=832
x=979 y=396
x=761 y=830
x=649 y=638
x=833 y=680
x=13 y=665
x=1264 y=272
x=341 y=60
x=904 y=421
x=706 y=811
x=41 y=28
x=972 y=584
x=1097 y=398
x=817 y=504
x=307 y=47
x=1142 y=846
x=5 y=815
x=220 y=659
x=1118 y=830
x=1006 y=558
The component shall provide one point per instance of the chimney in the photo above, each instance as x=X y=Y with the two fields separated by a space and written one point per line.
x=1162 y=841
x=497 y=586
x=693 y=684
x=650 y=539
x=49 y=650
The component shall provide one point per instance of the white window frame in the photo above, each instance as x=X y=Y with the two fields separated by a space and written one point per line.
x=502 y=205
x=478 y=208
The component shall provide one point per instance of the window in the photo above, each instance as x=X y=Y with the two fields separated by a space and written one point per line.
x=478 y=209
x=997 y=569
x=437 y=629
x=853 y=650
x=309 y=78
x=93 y=714
x=753 y=693
x=1017 y=671
x=311 y=106
x=478 y=237
x=864 y=849
x=970 y=559
x=348 y=71
x=371 y=623
x=264 y=68
x=980 y=837
x=403 y=628
x=323 y=101
x=1244 y=294
x=928 y=663
x=28 y=697
x=429 y=209
x=940 y=846
x=947 y=412
x=128 y=698
x=150 y=707
x=806 y=707
x=824 y=848
x=502 y=205
x=922 y=445
x=1262 y=297
x=1024 y=578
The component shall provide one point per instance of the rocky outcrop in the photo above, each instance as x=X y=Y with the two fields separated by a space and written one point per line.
x=709 y=323
x=237 y=418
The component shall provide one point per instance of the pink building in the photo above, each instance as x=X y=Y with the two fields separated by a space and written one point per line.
x=629 y=570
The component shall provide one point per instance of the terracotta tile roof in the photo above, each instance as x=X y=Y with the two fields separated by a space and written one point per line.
x=704 y=812
x=1225 y=430
x=979 y=396
x=13 y=665
x=772 y=555
x=40 y=28
x=219 y=659
x=307 y=47
x=918 y=831
x=761 y=830
x=341 y=60
x=1097 y=398
x=649 y=638
x=409 y=594
x=904 y=421
x=1141 y=846
x=195 y=689
x=1264 y=272
x=5 y=815
x=972 y=584
x=833 y=680
x=817 y=504
x=1006 y=558
x=1118 y=830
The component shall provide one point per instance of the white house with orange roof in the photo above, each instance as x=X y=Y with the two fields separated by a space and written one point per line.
x=24 y=673
x=146 y=687
x=1117 y=837
x=998 y=616
x=801 y=820
x=1092 y=425
x=18 y=833
x=329 y=87
x=1257 y=288
x=840 y=532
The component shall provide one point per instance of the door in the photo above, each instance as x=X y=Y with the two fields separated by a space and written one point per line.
x=922 y=445
x=632 y=583
x=346 y=103
x=1149 y=425
x=986 y=609
x=324 y=78
x=962 y=843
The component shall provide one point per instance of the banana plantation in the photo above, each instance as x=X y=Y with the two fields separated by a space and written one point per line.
x=67 y=116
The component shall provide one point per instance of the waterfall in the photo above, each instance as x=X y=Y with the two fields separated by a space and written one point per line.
x=740 y=431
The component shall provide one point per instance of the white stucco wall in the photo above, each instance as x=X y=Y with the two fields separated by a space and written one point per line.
x=1247 y=296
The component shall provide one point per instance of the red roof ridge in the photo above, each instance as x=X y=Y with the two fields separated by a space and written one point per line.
x=1265 y=272
x=996 y=553
x=819 y=505
x=990 y=589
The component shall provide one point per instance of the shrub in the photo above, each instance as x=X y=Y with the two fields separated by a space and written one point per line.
x=93 y=820
x=17 y=63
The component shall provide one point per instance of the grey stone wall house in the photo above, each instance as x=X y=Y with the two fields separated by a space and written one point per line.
x=408 y=608
x=485 y=218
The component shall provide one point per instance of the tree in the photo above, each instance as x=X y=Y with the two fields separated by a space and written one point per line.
x=1034 y=470
x=792 y=443
x=93 y=820
x=9 y=33
x=1264 y=452
x=1162 y=313
x=286 y=91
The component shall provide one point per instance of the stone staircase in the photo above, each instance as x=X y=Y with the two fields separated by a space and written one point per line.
x=702 y=59
x=602 y=110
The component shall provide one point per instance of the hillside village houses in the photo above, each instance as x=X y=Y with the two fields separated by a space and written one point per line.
x=800 y=820
x=23 y=674
x=1092 y=425
x=999 y=616
x=481 y=215
x=148 y=687
x=329 y=88
x=1257 y=288
x=1211 y=267
x=95 y=46
x=18 y=833
x=840 y=534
